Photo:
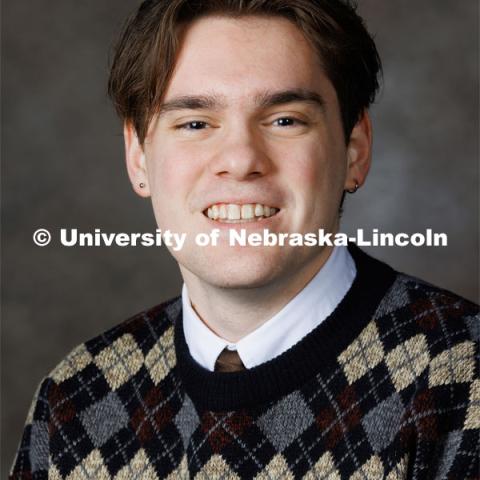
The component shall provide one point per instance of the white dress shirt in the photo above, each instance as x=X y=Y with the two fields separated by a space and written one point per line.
x=297 y=318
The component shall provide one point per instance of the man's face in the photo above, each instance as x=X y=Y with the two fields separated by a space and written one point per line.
x=250 y=118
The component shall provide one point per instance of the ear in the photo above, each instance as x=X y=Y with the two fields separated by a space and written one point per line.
x=136 y=162
x=359 y=152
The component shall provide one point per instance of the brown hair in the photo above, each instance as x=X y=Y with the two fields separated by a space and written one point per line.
x=145 y=55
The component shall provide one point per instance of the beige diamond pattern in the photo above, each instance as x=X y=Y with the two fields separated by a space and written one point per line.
x=371 y=470
x=276 y=468
x=53 y=473
x=138 y=468
x=324 y=469
x=455 y=365
x=91 y=467
x=120 y=361
x=75 y=362
x=363 y=354
x=400 y=470
x=472 y=419
x=181 y=472
x=216 y=469
x=407 y=361
x=161 y=358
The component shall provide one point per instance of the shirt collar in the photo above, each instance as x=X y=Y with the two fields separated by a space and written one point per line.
x=313 y=304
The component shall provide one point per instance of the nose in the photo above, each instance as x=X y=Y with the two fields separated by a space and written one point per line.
x=241 y=155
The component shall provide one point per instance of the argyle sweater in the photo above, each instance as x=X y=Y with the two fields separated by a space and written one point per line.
x=386 y=387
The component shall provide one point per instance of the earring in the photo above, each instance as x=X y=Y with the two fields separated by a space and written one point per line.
x=141 y=185
x=354 y=189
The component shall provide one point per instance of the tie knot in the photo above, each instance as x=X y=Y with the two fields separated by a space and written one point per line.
x=229 y=361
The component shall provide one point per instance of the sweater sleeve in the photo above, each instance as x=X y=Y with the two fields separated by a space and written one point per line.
x=446 y=416
x=32 y=458
x=459 y=449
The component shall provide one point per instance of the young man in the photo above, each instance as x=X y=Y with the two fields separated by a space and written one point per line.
x=277 y=361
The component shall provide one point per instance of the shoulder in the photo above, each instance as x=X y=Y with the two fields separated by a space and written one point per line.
x=428 y=307
x=413 y=316
x=85 y=398
x=118 y=353
x=428 y=330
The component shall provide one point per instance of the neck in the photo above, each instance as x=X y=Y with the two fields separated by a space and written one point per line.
x=233 y=313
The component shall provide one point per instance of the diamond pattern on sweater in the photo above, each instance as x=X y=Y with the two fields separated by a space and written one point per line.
x=363 y=354
x=161 y=358
x=216 y=469
x=187 y=420
x=78 y=359
x=53 y=473
x=276 y=468
x=396 y=298
x=400 y=470
x=39 y=446
x=181 y=471
x=473 y=324
x=371 y=470
x=324 y=469
x=383 y=422
x=152 y=419
x=91 y=467
x=472 y=420
x=120 y=361
x=139 y=468
x=104 y=418
x=450 y=449
x=173 y=309
x=286 y=420
x=223 y=428
x=341 y=416
x=407 y=361
x=371 y=397
x=455 y=365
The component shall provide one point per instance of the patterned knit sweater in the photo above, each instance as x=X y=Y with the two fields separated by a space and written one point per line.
x=386 y=387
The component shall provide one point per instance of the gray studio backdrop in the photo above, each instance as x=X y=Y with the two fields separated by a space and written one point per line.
x=63 y=166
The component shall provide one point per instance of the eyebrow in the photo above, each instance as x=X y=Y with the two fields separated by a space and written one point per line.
x=272 y=99
x=263 y=100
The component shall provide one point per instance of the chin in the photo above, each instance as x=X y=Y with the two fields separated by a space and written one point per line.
x=239 y=280
x=241 y=268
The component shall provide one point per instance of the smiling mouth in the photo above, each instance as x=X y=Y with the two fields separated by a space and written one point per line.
x=235 y=213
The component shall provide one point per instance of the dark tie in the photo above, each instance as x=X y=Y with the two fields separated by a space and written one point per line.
x=229 y=361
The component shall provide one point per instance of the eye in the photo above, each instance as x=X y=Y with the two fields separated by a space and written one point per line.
x=287 y=122
x=193 y=125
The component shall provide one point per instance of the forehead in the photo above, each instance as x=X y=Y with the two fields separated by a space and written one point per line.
x=239 y=57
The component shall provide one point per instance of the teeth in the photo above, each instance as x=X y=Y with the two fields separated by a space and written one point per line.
x=234 y=212
x=247 y=211
x=222 y=212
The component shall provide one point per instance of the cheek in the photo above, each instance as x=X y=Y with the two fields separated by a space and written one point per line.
x=171 y=173
x=315 y=178
x=315 y=169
